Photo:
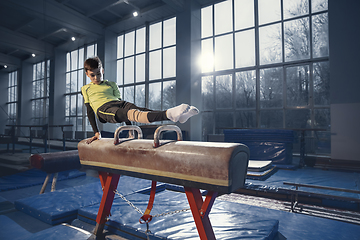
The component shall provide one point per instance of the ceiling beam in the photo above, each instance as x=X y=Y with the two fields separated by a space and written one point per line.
x=119 y=25
x=175 y=4
x=133 y=5
x=52 y=33
x=90 y=14
x=50 y=10
x=27 y=23
x=10 y=61
x=20 y=41
x=115 y=13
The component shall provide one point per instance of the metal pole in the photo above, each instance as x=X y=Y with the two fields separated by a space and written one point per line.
x=13 y=138
x=45 y=128
x=63 y=134
x=30 y=139
x=45 y=183
x=53 y=184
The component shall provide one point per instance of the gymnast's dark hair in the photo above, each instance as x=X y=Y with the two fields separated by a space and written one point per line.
x=92 y=63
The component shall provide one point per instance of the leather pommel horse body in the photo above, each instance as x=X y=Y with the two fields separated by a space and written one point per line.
x=215 y=167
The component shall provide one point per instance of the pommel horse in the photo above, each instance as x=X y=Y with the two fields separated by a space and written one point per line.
x=215 y=167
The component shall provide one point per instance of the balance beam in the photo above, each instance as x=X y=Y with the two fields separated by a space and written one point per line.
x=53 y=163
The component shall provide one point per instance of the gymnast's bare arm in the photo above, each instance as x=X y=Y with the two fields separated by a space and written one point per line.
x=96 y=137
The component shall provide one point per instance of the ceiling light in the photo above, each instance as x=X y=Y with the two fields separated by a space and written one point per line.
x=5 y=66
x=135 y=14
x=33 y=55
x=73 y=39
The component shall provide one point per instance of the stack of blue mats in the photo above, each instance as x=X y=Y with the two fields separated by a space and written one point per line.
x=62 y=205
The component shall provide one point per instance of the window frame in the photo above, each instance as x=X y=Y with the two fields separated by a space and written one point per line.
x=146 y=84
x=75 y=112
x=12 y=101
x=40 y=114
x=258 y=67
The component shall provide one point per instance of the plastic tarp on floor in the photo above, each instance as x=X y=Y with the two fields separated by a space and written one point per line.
x=62 y=205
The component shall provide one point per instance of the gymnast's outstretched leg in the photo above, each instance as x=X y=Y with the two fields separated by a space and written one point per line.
x=130 y=112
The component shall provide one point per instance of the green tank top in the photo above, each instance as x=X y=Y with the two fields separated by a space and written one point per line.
x=97 y=95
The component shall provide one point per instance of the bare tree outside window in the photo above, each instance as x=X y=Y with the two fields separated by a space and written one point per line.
x=223 y=86
x=245 y=119
x=271 y=88
x=321 y=77
x=320 y=35
x=169 y=93
x=297 y=86
x=129 y=94
x=245 y=89
x=297 y=39
x=207 y=92
x=269 y=72
x=140 y=95
x=270 y=45
x=155 y=93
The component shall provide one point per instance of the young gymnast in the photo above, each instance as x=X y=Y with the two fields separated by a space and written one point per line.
x=102 y=98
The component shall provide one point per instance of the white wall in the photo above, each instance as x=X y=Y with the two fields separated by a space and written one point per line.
x=345 y=140
x=344 y=40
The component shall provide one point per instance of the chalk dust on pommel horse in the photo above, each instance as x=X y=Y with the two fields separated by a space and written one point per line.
x=215 y=167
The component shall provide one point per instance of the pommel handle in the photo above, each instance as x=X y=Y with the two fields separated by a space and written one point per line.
x=131 y=128
x=166 y=128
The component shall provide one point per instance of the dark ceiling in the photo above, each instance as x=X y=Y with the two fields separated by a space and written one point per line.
x=39 y=26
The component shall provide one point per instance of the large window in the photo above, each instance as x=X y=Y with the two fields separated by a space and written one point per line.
x=146 y=70
x=265 y=64
x=75 y=79
x=40 y=92
x=12 y=97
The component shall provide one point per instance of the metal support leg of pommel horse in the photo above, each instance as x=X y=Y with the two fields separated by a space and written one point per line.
x=200 y=210
x=109 y=184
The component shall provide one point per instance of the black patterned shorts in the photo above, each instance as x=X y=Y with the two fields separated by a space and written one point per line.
x=116 y=111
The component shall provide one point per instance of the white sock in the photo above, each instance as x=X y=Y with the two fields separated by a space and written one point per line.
x=174 y=113
x=186 y=115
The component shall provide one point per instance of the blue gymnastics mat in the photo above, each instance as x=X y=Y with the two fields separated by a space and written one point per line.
x=62 y=205
x=307 y=175
x=226 y=221
x=10 y=230
x=60 y=232
x=32 y=177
